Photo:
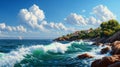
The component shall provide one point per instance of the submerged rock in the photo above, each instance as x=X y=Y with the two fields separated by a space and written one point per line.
x=105 y=50
x=83 y=56
x=106 y=61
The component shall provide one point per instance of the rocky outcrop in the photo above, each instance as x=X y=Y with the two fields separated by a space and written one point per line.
x=106 y=61
x=111 y=39
x=114 y=38
x=111 y=61
x=115 y=48
x=105 y=50
x=83 y=56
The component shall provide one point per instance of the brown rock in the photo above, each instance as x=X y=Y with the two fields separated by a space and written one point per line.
x=96 y=63
x=108 y=44
x=83 y=56
x=105 y=50
x=115 y=48
x=106 y=61
x=117 y=64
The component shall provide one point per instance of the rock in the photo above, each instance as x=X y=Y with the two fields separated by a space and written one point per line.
x=101 y=40
x=96 y=63
x=111 y=39
x=117 y=64
x=98 y=44
x=108 y=44
x=115 y=48
x=114 y=37
x=105 y=50
x=83 y=56
x=106 y=61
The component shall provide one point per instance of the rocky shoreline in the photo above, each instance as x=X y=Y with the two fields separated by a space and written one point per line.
x=113 y=46
x=110 y=61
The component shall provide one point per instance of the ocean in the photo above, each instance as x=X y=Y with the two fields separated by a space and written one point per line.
x=46 y=53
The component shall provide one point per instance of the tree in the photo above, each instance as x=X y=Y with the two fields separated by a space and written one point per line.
x=103 y=25
x=108 y=28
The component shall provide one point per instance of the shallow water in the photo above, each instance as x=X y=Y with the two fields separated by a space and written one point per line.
x=37 y=53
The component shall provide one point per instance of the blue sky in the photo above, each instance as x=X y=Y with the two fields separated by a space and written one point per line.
x=46 y=19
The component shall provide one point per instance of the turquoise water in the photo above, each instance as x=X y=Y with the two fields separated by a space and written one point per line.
x=46 y=53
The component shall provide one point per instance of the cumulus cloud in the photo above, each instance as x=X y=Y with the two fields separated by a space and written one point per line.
x=103 y=13
x=76 y=19
x=4 y=27
x=35 y=18
x=100 y=14
x=32 y=16
x=92 y=20
x=52 y=25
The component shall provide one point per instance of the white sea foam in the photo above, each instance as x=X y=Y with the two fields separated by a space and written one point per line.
x=9 y=59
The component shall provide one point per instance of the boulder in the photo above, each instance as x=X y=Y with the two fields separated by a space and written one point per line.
x=105 y=50
x=106 y=61
x=117 y=64
x=83 y=56
x=115 y=48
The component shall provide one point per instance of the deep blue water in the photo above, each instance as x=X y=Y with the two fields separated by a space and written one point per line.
x=6 y=45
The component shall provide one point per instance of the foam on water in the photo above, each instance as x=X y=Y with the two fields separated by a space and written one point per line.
x=9 y=59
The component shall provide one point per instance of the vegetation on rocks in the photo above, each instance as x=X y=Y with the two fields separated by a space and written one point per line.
x=105 y=30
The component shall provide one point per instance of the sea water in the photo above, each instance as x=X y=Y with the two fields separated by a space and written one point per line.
x=46 y=53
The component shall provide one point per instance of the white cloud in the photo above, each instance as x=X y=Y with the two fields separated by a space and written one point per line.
x=53 y=26
x=100 y=14
x=32 y=16
x=35 y=18
x=103 y=13
x=37 y=12
x=20 y=28
x=4 y=27
x=76 y=19
x=93 y=21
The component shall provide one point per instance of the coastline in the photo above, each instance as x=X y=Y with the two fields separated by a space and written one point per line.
x=113 y=47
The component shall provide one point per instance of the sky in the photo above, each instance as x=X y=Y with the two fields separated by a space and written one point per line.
x=49 y=19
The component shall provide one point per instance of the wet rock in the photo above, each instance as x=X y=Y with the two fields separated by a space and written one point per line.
x=83 y=56
x=105 y=50
x=106 y=61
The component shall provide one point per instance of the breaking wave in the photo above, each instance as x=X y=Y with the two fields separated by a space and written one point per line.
x=54 y=54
